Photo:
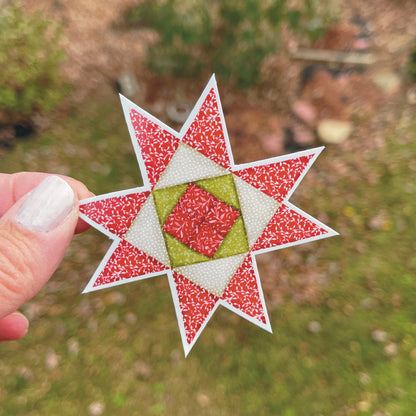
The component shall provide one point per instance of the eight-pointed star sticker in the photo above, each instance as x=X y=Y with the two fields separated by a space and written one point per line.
x=199 y=218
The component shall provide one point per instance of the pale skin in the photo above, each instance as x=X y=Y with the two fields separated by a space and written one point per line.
x=28 y=258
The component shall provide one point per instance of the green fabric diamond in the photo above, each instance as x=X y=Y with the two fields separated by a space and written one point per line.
x=180 y=254
x=166 y=199
x=235 y=242
x=223 y=188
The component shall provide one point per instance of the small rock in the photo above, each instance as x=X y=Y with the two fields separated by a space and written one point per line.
x=305 y=111
x=176 y=355
x=178 y=112
x=364 y=378
x=379 y=335
x=348 y=309
x=364 y=406
x=41 y=122
x=272 y=143
x=73 y=347
x=220 y=338
x=303 y=136
x=127 y=84
x=112 y=318
x=130 y=318
x=51 y=359
x=272 y=139
x=32 y=310
x=116 y=298
x=388 y=82
x=411 y=95
x=376 y=222
x=96 y=408
x=332 y=131
x=314 y=327
x=361 y=44
x=157 y=107
x=368 y=303
x=142 y=369
x=391 y=349
x=203 y=399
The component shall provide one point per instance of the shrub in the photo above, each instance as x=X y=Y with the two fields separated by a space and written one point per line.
x=412 y=63
x=29 y=60
x=228 y=37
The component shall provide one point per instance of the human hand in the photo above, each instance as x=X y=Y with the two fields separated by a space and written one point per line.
x=38 y=217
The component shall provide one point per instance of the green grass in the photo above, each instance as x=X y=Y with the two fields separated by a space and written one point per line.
x=121 y=346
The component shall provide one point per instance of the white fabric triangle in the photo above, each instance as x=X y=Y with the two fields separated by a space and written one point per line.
x=213 y=275
x=145 y=233
x=188 y=165
x=257 y=209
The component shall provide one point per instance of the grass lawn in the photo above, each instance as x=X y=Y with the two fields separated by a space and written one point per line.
x=349 y=351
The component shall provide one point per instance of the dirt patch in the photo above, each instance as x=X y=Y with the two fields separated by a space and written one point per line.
x=98 y=51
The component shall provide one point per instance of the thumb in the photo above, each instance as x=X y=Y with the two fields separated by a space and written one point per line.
x=34 y=234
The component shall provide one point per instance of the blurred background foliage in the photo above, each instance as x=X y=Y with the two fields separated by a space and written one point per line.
x=30 y=54
x=228 y=38
x=412 y=63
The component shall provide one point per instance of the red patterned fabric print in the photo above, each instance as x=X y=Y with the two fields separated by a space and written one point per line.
x=276 y=179
x=195 y=202
x=206 y=132
x=287 y=226
x=115 y=214
x=188 y=213
x=243 y=293
x=200 y=220
x=156 y=144
x=195 y=302
x=205 y=240
x=126 y=262
x=181 y=226
x=221 y=217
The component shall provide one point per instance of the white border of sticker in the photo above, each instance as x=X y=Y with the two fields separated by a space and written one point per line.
x=127 y=106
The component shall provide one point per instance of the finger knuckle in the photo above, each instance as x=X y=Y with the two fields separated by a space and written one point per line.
x=16 y=262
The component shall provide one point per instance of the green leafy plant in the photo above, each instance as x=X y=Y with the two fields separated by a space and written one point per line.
x=228 y=37
x=29 y=59
x=411 y=66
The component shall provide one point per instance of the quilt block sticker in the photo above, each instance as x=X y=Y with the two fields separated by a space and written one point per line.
x=199 y=218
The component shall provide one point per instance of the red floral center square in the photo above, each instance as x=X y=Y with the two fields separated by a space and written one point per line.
x=200 y=220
